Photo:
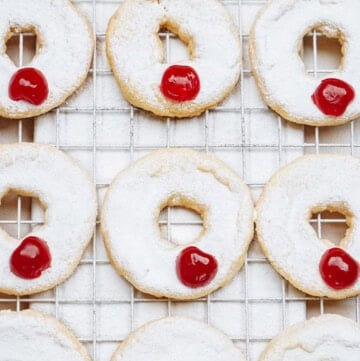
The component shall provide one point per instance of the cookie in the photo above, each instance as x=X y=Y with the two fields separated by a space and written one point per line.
x=188 y=87
x=30 y=335
x=326 y=337
x=177 y=339
x=312 y=184
x=275 y=43
x=61 y=63
x=184 y=178
x=50 y=253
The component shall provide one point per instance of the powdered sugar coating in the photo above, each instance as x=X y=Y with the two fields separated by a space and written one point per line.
x=177 y=339
x=136 y=54
x=68 y=197
x=312 y=183
x=326 y=337
x=64 y=56
x=29 y=335
x=275 y=43
x=176 y=177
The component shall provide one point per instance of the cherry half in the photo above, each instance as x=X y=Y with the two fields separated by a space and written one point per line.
x=195 y=268
x=30 y=85
x=180 y=83
x=333 y=96
x=30 y=258
x=338 y=269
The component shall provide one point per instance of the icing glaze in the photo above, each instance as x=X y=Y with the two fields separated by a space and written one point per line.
x=68 y=197
x=338 y=269
x=65 y=47
x=176 y=177
x=333 y=96
x=180 y=83
x=195 y=268
x=310 y=184
x=275 y=42
x=29 y=84
x=214 y=48
x=30 y=258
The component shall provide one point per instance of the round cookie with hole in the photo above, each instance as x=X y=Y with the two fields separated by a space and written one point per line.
x=180 y=178
x=312 y=184
x=62 y=59
x=275 y=45
x=51 y=251
x=185 y=88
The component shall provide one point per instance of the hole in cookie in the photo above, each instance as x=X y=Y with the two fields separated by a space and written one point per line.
x=180 y=225
x=21 y=47
x=19 y=214
x=321 y=51
x=174 y=48
x=329 y=225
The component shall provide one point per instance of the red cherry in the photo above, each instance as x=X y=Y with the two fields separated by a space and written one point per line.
x=338 y=269
x=29 y=84
x=180 y=83
x=195 y=268
x=333 y=96
x=30 y=258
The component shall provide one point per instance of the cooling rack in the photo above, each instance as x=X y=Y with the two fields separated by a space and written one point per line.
x=99 y=129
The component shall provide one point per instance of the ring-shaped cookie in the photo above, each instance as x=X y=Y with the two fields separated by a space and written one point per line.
x=176 y=177
x=63 y=56
x=177 y=338
x=32 y=336
x=275 y=42
x=326 y=337
x=69 y=201
x=310 y=184
x=136 y=55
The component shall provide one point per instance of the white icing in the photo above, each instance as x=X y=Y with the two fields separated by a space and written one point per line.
x=28 y=336
x=285 y=207
x=276 y=38
x=177 y=339
x=137 y=58
x=64 y=56
x=132 y=207
x=69 y=198
x=327 y=337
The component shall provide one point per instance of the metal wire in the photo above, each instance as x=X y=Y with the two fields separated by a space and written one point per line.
x=312 y=144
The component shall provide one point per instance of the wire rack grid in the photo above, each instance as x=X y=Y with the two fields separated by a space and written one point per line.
x=237 y=309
